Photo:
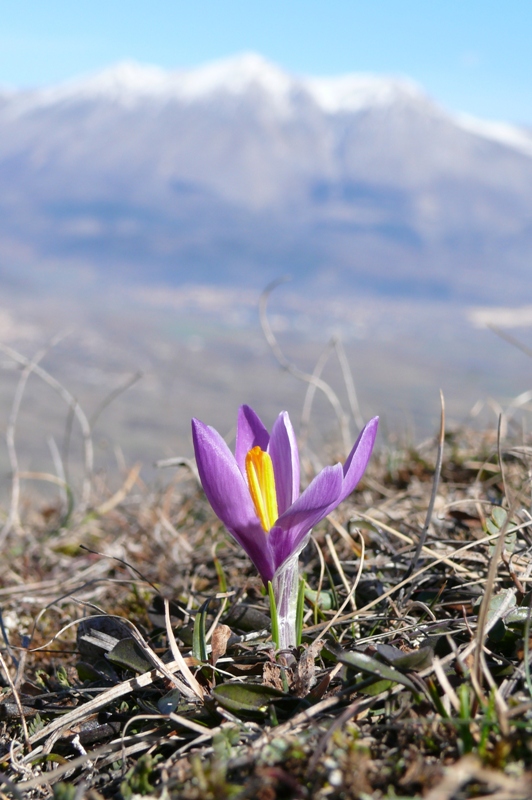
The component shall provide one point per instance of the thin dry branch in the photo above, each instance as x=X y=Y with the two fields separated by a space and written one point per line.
x=111 y=397
x=13 y=519
x=72 y=404
x=349 y=383
x=300 y=374
x=434 y=492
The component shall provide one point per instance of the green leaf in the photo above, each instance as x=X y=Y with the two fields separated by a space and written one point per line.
x=274 y=618
x=506 y=597
x=100 y=670
x=300 y=610
x=199 y=638
x=517 y=617
x=62 y=677
x=415 y=661
x=370 y=666
x=65 y=791
x=324 y=599
x=222 y=581
x=495 y=524
x=377 y=687
x=250 y=699
x=169 y=702
x=129 y=654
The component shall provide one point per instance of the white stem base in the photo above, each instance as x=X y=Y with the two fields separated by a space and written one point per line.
x=285 y=585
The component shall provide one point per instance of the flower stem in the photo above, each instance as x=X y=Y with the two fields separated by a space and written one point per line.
x=285 y=589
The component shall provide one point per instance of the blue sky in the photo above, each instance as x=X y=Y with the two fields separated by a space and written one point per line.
x=471 y=55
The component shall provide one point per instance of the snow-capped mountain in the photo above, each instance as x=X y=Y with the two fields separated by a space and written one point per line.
x=239 y=170
x=129 y=82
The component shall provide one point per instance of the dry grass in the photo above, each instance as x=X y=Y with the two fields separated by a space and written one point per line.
x=136 y=658
x=419 y=687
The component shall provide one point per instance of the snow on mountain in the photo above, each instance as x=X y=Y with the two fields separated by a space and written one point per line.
x=128 y=81
x=352 y=93
x=236 y=76
x=129 y=84
x=502 y=132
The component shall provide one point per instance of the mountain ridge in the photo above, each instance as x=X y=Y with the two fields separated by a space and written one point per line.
x=349 y=92
x=239 y=172
x=231 y=75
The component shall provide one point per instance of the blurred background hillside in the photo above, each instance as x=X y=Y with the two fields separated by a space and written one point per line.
x=206 y=151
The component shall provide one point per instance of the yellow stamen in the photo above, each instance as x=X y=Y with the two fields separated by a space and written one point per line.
x=259 y=469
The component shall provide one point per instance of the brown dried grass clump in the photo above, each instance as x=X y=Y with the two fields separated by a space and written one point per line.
x=137 y=656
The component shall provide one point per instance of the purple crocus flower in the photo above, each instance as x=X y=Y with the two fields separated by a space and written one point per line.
x=255 y=493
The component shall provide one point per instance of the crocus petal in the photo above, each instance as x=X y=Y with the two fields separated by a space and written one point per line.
x=250 y=432
x=282 y=545
x=311 y=507
x=221 y=478
x=358 y=458
x=255 y=543
x=285 y=458
x=229 y=496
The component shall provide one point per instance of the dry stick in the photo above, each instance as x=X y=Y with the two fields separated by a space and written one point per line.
x=339 y=568
x=362 y=554
x=103 y=699
x=13 y=517
x=501 y=462
x=349 y=383
x=179 y=537
x=334 y=554
x=180 y=461
x=311 y=391
x=350 y=594
x=518 y=402
x=322 y=569
x=67 y=437
x=80 y=761
x=121 y=494
x=124 y=563
x=490 y=578
x=59 y=468
x=51 y=586
x=442 y=559
x=295 y=371
x=445 y=684
x=500 y=703
x=47 y=477
x=190 y=690
x=346 y=536
x=73 y=404
x=511 y=340
x=404 y=538
x=435 y=484
x=185 y=671
x=128 y=383
x=17 y=700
